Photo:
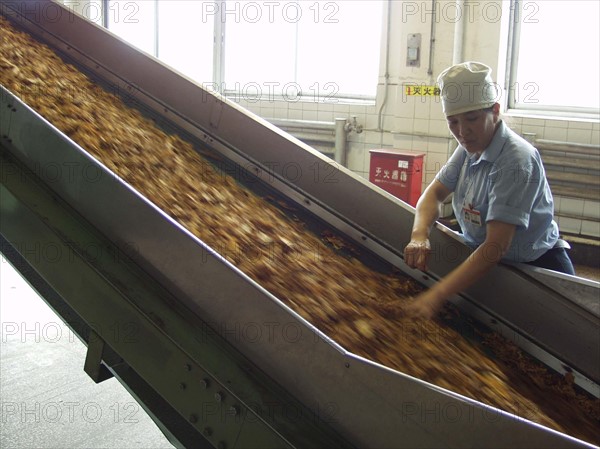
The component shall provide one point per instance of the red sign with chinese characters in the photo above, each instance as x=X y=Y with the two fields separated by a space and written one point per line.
x=398 y=172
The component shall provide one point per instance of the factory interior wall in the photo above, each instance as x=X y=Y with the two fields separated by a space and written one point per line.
x=417 y=123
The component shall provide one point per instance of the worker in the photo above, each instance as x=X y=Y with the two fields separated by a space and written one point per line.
x=502 y=200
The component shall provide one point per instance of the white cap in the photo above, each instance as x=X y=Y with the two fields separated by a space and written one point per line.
x=467 y=87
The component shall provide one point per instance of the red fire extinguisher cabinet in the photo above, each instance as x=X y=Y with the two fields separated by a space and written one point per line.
x=398 y=172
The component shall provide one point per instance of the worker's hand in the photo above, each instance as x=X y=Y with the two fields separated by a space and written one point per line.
x=426 y=305
x=416 y=253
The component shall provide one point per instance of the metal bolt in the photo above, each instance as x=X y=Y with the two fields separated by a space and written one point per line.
x=193 y=418
x=182 y=386
x=204 y=383
x=234 y=410
x=188 y=367
x=218 y=396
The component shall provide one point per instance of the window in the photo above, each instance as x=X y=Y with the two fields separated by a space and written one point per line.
x=185 y=39
x=316 y=50
x=135 y=22
x=554 y=65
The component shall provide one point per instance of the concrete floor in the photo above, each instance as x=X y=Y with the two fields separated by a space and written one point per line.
x=46 y=399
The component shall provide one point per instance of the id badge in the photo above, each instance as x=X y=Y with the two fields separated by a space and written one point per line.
x=472 y=216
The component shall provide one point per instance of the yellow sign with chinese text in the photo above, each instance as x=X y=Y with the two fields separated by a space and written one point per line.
x=421 y=90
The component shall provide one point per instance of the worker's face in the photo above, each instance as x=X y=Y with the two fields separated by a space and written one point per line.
x=474 y=130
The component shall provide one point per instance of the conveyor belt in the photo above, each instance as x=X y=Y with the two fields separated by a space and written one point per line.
x=315 y=370
x=115 y=288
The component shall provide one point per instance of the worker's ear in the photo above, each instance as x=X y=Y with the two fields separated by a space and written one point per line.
x=496 y=111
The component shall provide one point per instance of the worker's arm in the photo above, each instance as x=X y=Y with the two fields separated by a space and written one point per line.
x=427 y=212
x=483 y=259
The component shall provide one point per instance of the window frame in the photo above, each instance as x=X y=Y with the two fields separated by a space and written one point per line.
x=218 y=83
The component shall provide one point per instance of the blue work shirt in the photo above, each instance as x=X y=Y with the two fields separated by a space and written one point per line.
x=506 y=183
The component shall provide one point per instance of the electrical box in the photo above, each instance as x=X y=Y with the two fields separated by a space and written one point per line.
x=398 y=172
x=413 y=50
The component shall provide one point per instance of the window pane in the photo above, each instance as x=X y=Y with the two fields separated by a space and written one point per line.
x=185 y=38
x=133 y=21
x=320 y=48
x=558 y=62
x=342 y=48
x=258 y=52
